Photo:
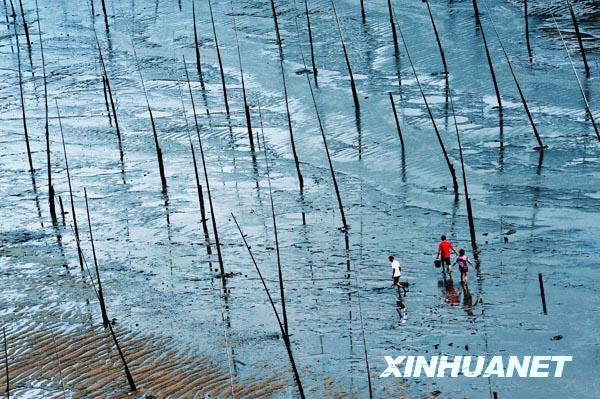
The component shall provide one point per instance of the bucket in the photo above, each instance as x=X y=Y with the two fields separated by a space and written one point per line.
x=437 y=263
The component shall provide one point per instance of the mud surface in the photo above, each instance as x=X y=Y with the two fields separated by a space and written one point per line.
x=532 y=215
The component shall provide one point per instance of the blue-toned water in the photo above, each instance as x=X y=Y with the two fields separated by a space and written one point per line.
x=150 y=245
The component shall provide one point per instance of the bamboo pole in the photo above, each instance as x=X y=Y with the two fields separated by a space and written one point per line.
x=393 y=27
x=476 y=12
x=542 y=293
x=60 y=374
x=585 y=100
x=6 y=363
x=579 y=41
x=491 y=67
x=62 y=209
x=76 y=229
x=286 y=338
x=323 y=136
x=435 y=128
x=352 y=83
x=310 y=39
x=159 y=155
x=521 y=95
x=276 y=23
x=526 y=12
x=437 y=39
x=362 y=11
x=210 y=202
x=397 y=121
x=105 y=320
x=470 y=217
x=197 y=46
x=105 y=15
x=22 y=96
x=109 y=90
x=279 y=268
x=291 y=132
x=108 y=113
x=212 y=20
x=203 y=218
x=246 y=107
x=51 y=203
x=128 y=375
x=25 y=24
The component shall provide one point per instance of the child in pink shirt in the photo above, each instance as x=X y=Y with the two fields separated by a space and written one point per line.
x=463 y=265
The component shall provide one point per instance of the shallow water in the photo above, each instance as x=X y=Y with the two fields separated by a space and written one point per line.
x=156 y=273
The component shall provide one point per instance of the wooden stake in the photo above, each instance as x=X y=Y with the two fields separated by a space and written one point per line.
x=74 y=215
x=542 y=294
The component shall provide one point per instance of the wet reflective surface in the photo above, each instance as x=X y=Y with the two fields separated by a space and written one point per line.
x=533 y=214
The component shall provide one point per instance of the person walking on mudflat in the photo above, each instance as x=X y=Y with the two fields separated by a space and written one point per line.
x=396 y=269
x=463 y=265
x=443 y=253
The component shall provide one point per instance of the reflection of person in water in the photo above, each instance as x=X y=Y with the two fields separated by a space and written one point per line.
x=450 y=293
x=401 y=309
x=468 y=301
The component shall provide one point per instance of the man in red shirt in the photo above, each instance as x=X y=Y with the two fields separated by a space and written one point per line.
x=444 y=248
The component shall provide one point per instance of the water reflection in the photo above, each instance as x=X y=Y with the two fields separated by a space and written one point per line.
x=401 y=309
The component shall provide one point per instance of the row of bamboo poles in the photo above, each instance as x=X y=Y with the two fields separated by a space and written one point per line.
x=399 y=43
